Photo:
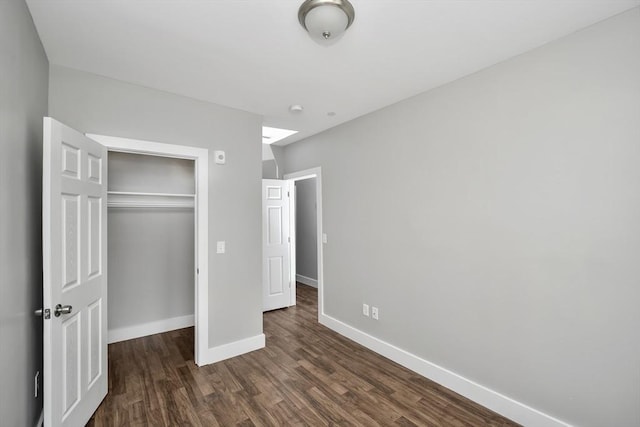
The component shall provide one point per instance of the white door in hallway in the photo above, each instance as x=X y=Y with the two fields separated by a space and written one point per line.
x=276 y=255
x=74 y=226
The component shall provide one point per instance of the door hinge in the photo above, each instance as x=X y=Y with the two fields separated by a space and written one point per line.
x=197 y=271
x=288 y=194
x=289 y=239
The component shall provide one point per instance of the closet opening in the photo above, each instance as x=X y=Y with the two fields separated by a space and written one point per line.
x=158 y=240
x=151 y=245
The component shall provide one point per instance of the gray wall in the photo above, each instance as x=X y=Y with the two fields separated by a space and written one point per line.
x=95 y=104
x=494 y=222
x=278 y=156
x=151 y=262
x=306 y=229
x=153 y=174
x=151 y=251
x=23 y=103
x=269 y=162
x=269 y=169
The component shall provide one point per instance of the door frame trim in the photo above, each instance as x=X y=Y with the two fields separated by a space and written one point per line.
x=200 y=156
x=299 y=176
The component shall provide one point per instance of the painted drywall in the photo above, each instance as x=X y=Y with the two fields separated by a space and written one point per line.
x=494 y=222
x=269 y=166
x=306 y=229
x=269 y=169
x=278 y=155
x=23 y=102
x=154 y=174
x=151 y=263
x=267 y=154
x=95 y=104
x=151 y=251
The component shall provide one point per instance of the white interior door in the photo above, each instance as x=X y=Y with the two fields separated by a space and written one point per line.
x=75 y=275
x=276 y=255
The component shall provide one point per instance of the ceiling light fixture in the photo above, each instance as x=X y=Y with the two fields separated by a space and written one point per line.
x=326 y=20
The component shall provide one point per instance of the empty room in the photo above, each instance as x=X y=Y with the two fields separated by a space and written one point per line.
x=320 y=212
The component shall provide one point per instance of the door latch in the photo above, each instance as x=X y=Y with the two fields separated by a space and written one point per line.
x=46 y=312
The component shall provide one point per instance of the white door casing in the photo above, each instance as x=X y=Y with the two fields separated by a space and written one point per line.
x=298 y=176
x=74 y=227
x=276 y=280
x=292 y=242
x=201 y=158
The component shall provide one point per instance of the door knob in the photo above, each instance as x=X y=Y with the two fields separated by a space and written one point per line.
x=62 y=309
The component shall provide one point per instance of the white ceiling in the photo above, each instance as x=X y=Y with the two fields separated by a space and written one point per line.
x=254 y=56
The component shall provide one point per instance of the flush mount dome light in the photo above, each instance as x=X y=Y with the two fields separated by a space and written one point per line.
x=326 y=20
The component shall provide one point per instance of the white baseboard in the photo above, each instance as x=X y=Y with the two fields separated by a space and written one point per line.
x=150 y=328
x=486 y=397
x=306 y=280
x=41 y=419
x=233 y=349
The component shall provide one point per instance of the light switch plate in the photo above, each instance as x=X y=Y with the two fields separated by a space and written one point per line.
x=221 y=247
x=324 y=237
x=365 y=310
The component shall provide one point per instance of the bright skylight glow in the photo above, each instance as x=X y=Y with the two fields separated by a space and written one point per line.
x=271 y=135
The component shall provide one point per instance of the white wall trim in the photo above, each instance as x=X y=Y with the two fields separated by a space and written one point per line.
x=306 y=280
x=233 y=349
x=149 y=328
x=480 y=394
x=200 y=156
x=317 y=174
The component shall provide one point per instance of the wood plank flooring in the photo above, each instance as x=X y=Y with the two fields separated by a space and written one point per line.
x=306 y=376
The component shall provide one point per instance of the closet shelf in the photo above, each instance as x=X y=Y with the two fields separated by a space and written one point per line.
x=132 y=199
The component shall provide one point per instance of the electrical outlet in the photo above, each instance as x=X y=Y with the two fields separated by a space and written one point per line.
x=374 y=313
x=365 y=310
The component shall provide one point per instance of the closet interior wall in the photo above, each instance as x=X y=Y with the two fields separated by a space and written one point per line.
x=150 y=244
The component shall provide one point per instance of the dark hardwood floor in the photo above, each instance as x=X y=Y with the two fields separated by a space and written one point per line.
x=306 y=376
